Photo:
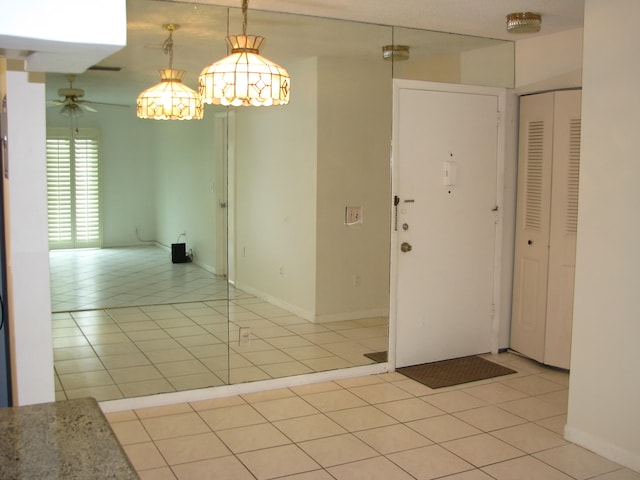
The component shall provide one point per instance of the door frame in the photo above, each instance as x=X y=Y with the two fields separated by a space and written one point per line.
x=501 y=94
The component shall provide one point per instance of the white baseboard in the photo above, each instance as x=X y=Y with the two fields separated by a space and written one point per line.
x=162 y=399
x=277 y=302
x=339 y=317
x=603 y=448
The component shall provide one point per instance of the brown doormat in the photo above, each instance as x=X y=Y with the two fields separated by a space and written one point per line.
x=454 y=372
x=378 y=357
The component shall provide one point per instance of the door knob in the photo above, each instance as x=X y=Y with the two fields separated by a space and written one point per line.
x=406 y=247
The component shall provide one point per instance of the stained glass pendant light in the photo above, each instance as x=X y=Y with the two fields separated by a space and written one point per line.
x=244 y=78
x=170 y=99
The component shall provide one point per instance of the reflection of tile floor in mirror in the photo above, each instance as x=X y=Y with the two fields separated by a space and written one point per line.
x=374 y=427
x=134 y=351
x=130 y=351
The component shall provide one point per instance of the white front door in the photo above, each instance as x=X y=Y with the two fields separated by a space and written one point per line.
x=445 y=155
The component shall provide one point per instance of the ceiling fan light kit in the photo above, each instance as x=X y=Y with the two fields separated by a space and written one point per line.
x=524 y=22
x=170 y=99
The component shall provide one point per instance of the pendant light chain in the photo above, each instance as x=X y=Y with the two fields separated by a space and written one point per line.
x=245 y=7
x=167 y=46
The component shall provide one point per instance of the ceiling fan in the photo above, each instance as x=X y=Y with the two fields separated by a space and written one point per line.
x=73 y=104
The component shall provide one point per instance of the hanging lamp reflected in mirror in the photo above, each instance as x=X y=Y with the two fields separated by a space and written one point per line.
x=244 y=78
x=170 y=99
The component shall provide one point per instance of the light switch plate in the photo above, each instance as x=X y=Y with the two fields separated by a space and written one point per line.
x=244 y=336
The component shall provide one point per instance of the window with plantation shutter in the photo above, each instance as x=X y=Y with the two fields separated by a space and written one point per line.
x=73 y=196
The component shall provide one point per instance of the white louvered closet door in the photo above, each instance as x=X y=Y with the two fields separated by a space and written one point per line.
x=564 y=227
x=546 y=226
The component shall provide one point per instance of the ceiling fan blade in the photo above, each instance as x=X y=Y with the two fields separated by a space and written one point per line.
x=102 y=103
x=88 y=108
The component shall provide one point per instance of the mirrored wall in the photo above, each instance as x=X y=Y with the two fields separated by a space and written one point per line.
x=279 y=281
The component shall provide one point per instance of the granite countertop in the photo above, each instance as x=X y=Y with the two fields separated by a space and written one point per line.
x=69 y=439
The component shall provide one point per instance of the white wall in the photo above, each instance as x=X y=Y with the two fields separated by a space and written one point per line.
x=27 y=252
x=275 y=196
x=354 y=139
x=604 y=392
x=489 y=66
x=549 y=62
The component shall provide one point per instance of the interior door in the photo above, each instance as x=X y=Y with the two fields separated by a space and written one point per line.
x=445 y=155
x=531 y=268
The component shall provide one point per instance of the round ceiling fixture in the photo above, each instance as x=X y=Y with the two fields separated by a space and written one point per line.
x=524 y=22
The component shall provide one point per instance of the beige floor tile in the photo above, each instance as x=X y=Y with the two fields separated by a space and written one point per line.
x=409 y=409
x=285 y=369
x=576 y=461
x=245 y=374
x=315 y=388
x=116 y=349
x=192 y=448
x=558 y=399
x=531 y=408
x=337 y=450
x=289 y=341
x=533 y=385
x=145 y=387
x=530 y=437
x=148 y=334
x=126 y=360
x=107 y=338
x=306 y=352
x=161 y=344
x=310 y=427
x=483 y=449
x=252 y=437
x=555 y=424
x=201 y=405
x=489 y=418
x=284 y=408
x=392 y=438
x=231 y=417
x=144 y=456
x=163 y=473
x=79 y=365
x=414 y=388
x=470 y=475
x=195 y=381
x=313 y=475
x=278 y=462
x=164 y=410
x=101 y=328
x=267 y=356
x=223 y=468
x=169 y=355
x=361 y=418
x=454 y=401
x=170 y=426
x=326 y=363
x=73 y=381
x=130 y=432
x=622 y=474
x=183 y=367
x=135 y=374
x=429 y=462
x=66 y=342
x=379 y=393
x=198 y=340
x=443 y=428
x=360 y=381
x=334 y=400
x=496 y=392
x=377 y=468
x=71 y=353
x=524 y=468
x=186 y=331
x=100 y=393
x=121 y=416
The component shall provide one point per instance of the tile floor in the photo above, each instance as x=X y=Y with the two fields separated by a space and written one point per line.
x=374 y=427
x=109 y=343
